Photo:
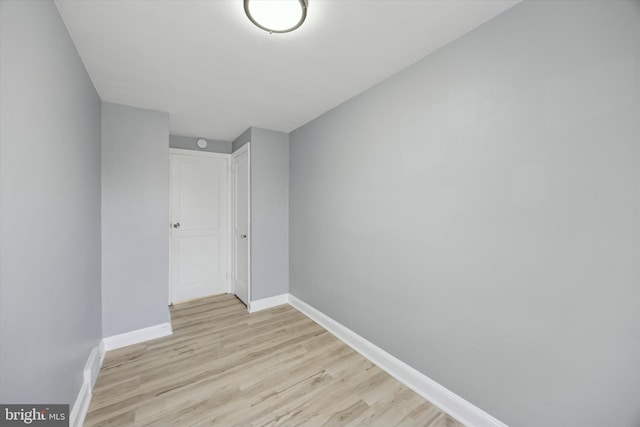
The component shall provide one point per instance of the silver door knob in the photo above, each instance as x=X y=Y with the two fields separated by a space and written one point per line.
x=243 y=236
x=176 y=225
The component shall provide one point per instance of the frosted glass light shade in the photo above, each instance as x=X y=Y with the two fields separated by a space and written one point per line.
x=276 y=16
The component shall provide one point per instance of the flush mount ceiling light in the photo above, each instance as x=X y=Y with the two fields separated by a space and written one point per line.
x=276 y=16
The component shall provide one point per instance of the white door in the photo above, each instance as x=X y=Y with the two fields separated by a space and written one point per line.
x=240 y=190
x=199 y=225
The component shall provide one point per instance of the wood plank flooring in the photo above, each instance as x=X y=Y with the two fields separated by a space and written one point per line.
x=223 y=366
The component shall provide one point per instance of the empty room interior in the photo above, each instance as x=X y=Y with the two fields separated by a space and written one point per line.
x=320 y=213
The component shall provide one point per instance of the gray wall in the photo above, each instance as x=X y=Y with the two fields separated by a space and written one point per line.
x=241 y=140
x=189 y=143
x=477 y=214
x=135 y=218
x=269 y=211
x=49 y=208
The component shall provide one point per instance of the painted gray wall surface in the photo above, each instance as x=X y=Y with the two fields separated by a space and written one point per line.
x=477 y=215
x=135 y=218
x=241 y=140
x=269 y=213
x=189 y=143
x=49 y=208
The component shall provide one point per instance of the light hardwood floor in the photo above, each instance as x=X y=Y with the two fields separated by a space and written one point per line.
x=223 y=366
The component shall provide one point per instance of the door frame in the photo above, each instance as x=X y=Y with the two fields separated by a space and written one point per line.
x=194 y=153
x=245 y=148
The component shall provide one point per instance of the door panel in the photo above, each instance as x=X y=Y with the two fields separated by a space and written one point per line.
x=200 y=258
x=241 y=191
x=200 y=180
x=199 y=233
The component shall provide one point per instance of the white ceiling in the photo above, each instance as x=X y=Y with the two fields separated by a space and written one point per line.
x=217 y=74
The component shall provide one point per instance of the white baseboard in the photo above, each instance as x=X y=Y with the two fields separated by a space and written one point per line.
x=449 y=402
x=92 y=368
x=137 y=336
x=263 y=304
x=90 y=374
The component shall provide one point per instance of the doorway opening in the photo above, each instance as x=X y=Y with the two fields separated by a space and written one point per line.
x=210 y=224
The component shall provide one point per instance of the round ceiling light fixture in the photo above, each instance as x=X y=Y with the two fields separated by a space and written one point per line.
x=276 y=16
